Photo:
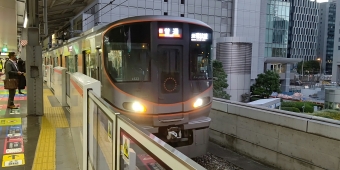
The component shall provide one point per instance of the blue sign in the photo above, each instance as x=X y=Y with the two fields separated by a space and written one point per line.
x=14 y=131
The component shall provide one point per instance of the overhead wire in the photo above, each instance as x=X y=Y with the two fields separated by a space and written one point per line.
x=110 y=3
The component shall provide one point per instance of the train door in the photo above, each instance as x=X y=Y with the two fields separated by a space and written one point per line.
x=98 y=65
x=169 y=73
x=61 y=61
x=76 y=63
x=67 y=63
x=84 y=62
x=55 y=64
x=91 y=68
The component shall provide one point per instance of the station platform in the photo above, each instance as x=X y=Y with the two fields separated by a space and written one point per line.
x=35 y=142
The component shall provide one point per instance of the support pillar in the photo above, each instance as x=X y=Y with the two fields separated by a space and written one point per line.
x=34 y=76
x=286 y=82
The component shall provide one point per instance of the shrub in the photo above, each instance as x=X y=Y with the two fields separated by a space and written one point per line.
x=308 y=106
x=331 y=114
x=254 y=98
x=292 y=109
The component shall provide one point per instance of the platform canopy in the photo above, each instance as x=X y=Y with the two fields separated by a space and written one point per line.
x=60 y=12
x=282 y=60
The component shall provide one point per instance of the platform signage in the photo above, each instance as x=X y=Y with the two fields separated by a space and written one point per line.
x=15 y=98
x=13 y=160
x=2 y=112
x=199 y=36
x=14 y=131
x=109 y=130
x=6 y=91
x=10 y=121
x=4 y=106
x=13 y=145
x=170 y=32
x=126 y=146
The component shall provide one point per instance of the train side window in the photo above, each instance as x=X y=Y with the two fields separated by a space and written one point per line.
x=127 y=53
x=71 y=63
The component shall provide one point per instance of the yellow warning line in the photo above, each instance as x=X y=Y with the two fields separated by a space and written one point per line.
x=45 y=152
x=46 y=147
x=56 y=116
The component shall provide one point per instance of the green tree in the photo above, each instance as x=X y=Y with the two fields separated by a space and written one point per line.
x=220 y=81
x=312 y=67
x=265 y=84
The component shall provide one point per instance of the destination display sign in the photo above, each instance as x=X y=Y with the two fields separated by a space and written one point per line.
x=170 y=32
x=200 y=36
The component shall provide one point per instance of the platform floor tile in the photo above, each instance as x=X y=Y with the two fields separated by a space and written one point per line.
x=54 y=118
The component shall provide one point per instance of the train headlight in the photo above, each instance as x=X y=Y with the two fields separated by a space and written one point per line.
x=137 y=107
x=198 y=103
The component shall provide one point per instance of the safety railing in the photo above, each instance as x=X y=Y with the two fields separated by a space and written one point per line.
x=115 y=142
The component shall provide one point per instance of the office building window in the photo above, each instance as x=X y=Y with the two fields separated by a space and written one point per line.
x=182 y=15
x=165 y=13
x=165 y=0
x=182 y=1
x=338 y=47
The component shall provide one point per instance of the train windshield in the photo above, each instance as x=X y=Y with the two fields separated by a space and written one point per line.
x=200 y=53
x=127 y=52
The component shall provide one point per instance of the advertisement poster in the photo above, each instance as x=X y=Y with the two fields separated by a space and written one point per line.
x=13 y=145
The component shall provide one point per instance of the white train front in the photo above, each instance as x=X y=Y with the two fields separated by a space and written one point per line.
x=157 y=70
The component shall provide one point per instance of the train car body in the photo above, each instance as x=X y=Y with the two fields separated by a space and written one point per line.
x=156 y=70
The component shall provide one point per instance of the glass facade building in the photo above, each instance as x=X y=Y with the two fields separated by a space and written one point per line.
x=326 y=35
x=277 y=25
x=303 y=29
x=330 y=38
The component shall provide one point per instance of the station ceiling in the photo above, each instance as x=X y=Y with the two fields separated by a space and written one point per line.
x=12 y=15
x=8 y=32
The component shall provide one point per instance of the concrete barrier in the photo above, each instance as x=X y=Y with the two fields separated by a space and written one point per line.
x=282 y=139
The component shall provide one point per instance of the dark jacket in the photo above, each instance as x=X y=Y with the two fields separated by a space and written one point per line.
x=22 y=78
x=11 y=71
x=21 y=66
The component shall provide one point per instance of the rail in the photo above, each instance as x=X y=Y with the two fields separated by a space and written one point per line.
x=115 y=142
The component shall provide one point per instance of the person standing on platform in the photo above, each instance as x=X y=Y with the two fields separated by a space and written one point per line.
x=1 y=65
x=12 y=72
x=22 y=78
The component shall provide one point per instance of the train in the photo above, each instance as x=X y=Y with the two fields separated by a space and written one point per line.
x=156 y=70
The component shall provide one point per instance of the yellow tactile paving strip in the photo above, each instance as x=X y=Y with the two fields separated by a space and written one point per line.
x=56 y=116
x=46 y=147
x=45 y=153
